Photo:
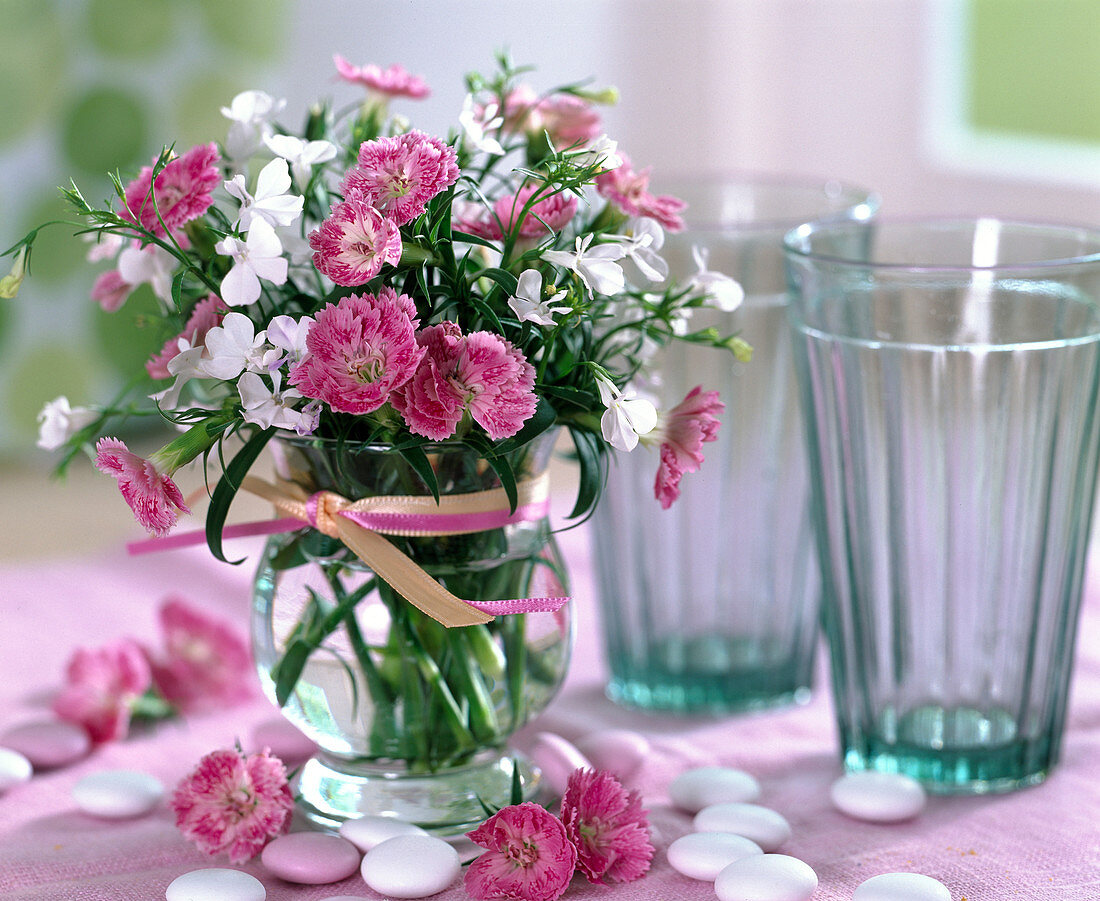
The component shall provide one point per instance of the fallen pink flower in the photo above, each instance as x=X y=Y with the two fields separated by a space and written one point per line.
x=529 y=856
x=102 y=685
x=234 y=803
x=608 y=826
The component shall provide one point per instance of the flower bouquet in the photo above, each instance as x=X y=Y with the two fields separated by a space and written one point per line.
x=406 y=321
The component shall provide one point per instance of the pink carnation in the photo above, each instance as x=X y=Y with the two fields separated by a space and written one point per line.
x=234 y=803
x=353 y=243
x=111 y=290
x=549 y=214
x=359 y=351
x=206 y=314
x=399 y=175
x=393 y=81
x=101 y=688
x=480 y=373
x=629 y=191
x=205 y=664
x=183 y=190
x=528 y=856
x=569 y=119
x=685 y=429
x=152 y=495
x=608 y=826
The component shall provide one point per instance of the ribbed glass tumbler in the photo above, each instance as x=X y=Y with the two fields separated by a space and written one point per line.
x=950 y=373
x=711 y=605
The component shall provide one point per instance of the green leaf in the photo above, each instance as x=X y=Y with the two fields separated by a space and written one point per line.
x=418 y=460
x=226 y=490
x=289 y=669
x=572 y=395
x=544 y=417
x=591 y=454
x=508 y=282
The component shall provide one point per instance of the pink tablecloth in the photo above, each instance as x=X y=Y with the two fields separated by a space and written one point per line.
x=1042 y=843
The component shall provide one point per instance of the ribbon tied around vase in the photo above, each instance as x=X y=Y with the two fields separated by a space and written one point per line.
x=363 y=524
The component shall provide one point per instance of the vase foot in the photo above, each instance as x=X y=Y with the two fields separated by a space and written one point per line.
x=448 y=802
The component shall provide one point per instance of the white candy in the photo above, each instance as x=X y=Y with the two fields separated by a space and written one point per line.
x=618 y=751
x=216 y=884
x=695 y=789
x=116 y=794
x=902 y=887
x=15 y=769
x=878 y=797
x=703 y=855
x=762 y=824
x=766 y=877
x=410 y=866
x=557 y=758
x=366 y=832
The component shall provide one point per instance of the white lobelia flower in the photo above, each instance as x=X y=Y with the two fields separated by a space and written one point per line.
x=287 y=336
x=603 y=151
x=250 y=113
x=645 y=238
x=302 y=155
x=148 y=265
x=260 y=255
x=596 y=267
x=477 y=127
x=58 y=422
x=267 y=407
x=233 y=347
x=271 y=202
x=185 y=365
x=628 y=415
x=530 y=305
x=104 y=245
x=717 y=288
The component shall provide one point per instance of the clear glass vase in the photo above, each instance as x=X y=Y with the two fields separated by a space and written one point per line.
x=411 y=718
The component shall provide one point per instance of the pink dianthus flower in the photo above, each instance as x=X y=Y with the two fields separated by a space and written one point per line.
x=155 y=499
x=607 y=825
x=234 y=803
x=111 y=290
x=548 y=214
x=398 y=175
x=480 y=373
x=205 y=664
x=351 y=245
x=183 y=190
x=359 y=351
x=393 y=81
x=101 y=688
x=205 y=315
x=682 y=433
x=528 y=856
x=629 y=191
x=569 y=119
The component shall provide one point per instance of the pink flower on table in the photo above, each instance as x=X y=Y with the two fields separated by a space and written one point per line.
x=479 y=373
x=234 y=803
x=681 y=434
x=155 y=499
x=569 y=119
x=205 y=315
x=101 y=688
x=608 y=826
x=398 y=175
x=546 y=215
x=183 y=191
x=353 y=243
x=360 y=351
x=205 y=663
x=110 y=290
x=393 y=81
x=628 y=190
x=528 y=856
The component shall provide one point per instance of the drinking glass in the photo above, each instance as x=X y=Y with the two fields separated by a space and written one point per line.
x=950 y=372
x=711 y=606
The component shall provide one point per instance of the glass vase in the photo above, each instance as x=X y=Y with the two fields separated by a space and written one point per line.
x=411 y=718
